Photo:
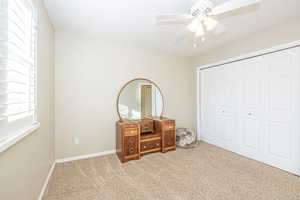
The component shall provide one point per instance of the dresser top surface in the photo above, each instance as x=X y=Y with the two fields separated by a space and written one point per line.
x=127 y=121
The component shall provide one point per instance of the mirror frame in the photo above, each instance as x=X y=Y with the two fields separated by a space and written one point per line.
x=141 y=79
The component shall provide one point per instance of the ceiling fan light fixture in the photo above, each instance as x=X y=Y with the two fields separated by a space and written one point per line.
x=193 y=25
x=210 y=23
x=200 y=17
x=200 y=31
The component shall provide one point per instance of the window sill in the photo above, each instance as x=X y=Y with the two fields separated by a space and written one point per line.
x=10 y=141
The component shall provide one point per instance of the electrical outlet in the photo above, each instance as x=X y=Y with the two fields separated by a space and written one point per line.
x=76 y=140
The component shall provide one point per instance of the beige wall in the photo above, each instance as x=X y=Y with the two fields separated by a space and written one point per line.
x=25 y=166
x=268 y=38
x=89 y=74
x=275 y=35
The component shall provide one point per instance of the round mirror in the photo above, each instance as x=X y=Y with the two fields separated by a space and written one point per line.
x=139 y=99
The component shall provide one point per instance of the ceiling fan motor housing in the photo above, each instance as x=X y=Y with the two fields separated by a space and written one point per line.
x=201 y=7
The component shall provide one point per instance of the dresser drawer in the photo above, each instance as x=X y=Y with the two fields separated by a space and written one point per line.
x=150 y=145
x=146 y=126
x=131 y=131
x=135 y=125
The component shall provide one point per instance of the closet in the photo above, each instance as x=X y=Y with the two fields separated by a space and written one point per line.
x=251 y=106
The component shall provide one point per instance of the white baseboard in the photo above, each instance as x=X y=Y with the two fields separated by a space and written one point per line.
x=85 y=156
x=46 y=181
x=67 y=160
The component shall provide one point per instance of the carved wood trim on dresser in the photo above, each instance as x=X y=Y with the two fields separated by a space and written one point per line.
x=135 y=138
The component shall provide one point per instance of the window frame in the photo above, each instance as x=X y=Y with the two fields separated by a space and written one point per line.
x=12 y=138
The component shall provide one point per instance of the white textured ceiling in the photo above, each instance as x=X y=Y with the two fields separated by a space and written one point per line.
x=133 y=21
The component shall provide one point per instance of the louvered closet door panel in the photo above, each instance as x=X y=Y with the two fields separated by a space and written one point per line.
x=250 y=107
x=282 y=141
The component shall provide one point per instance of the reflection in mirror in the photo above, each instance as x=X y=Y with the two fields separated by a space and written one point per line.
x=140 y=99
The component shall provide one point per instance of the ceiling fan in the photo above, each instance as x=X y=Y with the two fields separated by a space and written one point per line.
x=200 y=18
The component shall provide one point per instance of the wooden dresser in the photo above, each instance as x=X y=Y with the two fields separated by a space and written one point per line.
x=135 y=138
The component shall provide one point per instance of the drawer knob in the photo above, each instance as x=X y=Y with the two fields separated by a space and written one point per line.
x=249 y=113
x=157 y=144
x=144 y=146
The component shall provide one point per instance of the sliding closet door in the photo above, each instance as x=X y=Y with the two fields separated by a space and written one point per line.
x=282 y=141
x=225 y=97
x=218 y=106
x=208 y=105
x=250 y=108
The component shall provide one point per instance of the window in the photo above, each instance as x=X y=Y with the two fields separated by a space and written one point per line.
x=18 y=38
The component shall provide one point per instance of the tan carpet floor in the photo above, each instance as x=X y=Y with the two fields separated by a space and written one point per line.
x=204 y=173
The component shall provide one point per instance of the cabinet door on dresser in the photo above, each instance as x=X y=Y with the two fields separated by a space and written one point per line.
x=168 y=136
x=131 y=145
x=130 y=142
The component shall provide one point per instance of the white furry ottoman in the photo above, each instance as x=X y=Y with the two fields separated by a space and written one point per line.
x=186 y=138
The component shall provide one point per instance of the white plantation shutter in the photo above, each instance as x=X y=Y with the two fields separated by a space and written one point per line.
x=18 y=38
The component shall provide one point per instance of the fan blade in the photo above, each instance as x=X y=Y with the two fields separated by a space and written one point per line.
x=184 y=37
x=174 y=16
x=167 y=22
x=232 y=5
x=220 y=28
x=173 y=19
